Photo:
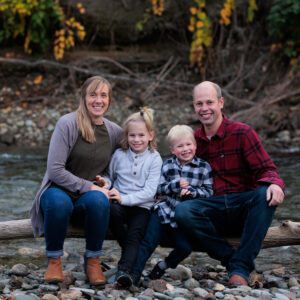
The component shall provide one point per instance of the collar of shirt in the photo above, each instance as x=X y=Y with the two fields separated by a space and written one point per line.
x=134 y=155
x=193 y=163
x=220 y=133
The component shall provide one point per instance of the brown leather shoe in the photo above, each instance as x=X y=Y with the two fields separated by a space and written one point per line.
x=94 y=271
x=236 y=280
x=54 y=272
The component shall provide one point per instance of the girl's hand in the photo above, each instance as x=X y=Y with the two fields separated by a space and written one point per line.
x=95 y=187
x=100 y=181
x=115 y=195
x=183 y=183
x=185 y=192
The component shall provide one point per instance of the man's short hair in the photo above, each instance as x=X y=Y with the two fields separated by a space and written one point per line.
x=180 y=131
x=214 y=85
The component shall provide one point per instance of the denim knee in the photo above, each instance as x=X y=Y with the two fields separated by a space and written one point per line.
x=182 y=212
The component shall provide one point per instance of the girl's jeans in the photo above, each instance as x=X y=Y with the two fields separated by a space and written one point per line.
x=210 y=220
x=91 y=210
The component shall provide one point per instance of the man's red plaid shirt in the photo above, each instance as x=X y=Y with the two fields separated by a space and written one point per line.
x=237 y=158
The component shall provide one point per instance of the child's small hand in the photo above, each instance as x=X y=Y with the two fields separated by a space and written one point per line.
x=183 y=183
x=115 y=195
x=185 y=192
x=100 y=181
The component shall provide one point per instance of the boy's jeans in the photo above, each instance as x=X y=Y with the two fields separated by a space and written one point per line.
x=155 y=234
x=91 y=209
x=209 y=220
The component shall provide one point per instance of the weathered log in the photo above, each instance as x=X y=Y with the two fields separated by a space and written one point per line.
x=287 y=233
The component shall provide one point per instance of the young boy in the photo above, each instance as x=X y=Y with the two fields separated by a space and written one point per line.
x=184 y=176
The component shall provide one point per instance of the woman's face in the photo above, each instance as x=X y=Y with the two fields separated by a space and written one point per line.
x=97 y=103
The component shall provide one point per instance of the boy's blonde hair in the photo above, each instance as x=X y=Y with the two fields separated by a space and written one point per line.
x=178 y=132
x=145 y=115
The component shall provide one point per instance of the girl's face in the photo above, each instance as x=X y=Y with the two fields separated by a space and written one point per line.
x=138 y=137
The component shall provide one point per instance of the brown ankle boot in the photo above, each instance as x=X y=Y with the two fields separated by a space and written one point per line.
x=94 y=271
x=54 y=272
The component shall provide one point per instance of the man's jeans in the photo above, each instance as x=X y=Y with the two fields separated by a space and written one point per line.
x=155 y=234
x=210 y=220
x=91 y=210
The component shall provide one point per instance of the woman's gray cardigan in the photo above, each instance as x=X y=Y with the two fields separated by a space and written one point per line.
x=62 y=141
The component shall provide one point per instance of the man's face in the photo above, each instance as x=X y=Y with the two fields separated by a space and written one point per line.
x=207 y=106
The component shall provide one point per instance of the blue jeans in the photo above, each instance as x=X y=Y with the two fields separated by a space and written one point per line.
x=155 y=234
x=210 y=220
x=91 y=210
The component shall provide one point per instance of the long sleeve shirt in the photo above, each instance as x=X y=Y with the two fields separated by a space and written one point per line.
x=135 y=176
x=238 y=160
x=198 y=174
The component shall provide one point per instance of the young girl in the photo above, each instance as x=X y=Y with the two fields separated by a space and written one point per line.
x=134 y=173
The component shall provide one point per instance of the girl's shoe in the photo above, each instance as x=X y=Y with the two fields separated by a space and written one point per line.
x=156 y=272
x=124 y=279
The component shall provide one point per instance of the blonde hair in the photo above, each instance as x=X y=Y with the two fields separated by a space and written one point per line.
x=145 y=115
x=178 y=132
x=83 y=120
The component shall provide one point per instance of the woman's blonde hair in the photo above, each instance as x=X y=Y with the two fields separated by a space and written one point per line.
x=83 y=120
x=145 y=115
x=178 y=132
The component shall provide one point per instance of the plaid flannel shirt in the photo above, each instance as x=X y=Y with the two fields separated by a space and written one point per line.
x=197 y=172
x=238 y=160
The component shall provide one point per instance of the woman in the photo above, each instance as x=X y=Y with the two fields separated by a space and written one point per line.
x=80 y=149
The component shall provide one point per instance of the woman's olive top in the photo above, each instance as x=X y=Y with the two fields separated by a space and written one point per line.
x=62 y=141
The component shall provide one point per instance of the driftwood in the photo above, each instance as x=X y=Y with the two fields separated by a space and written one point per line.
x=287 y=233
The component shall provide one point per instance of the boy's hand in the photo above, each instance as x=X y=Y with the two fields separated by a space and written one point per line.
x=183 y=183
x=115 y=195
x=185 y=192
x=100 y=181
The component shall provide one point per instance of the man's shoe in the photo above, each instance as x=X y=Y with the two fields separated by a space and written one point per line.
x=94 y=271
x=156 y=272
x=124 y=279
x=54 y=272
x=236 y=280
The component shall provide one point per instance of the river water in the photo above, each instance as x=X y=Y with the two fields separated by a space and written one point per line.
x=21 y=173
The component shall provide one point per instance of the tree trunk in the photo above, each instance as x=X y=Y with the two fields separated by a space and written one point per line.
x=287 y=233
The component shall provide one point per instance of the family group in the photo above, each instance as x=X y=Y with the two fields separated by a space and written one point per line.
x=219 y=182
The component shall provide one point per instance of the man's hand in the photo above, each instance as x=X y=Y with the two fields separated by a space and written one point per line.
x=275 y=195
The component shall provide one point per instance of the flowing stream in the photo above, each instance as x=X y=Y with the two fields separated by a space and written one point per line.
x=21 y=173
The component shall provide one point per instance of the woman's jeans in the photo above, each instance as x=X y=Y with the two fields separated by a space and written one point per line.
x=91 y=210
x=155 y=234
x=210 y=220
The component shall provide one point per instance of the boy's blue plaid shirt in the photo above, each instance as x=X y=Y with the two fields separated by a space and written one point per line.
x=199 y=175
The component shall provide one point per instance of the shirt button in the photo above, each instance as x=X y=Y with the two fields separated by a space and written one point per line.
x=135 y=164
x=134 y=173
x=136 y=156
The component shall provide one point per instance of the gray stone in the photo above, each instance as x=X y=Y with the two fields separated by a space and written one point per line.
x=191 y=284
x=178 y=292
x=200 y=292
x=162 y=296
x=181 y=272
x=293 y=282
x=83 y=290
x=219 y=295
x=24 y=297
x=19 y=270
x=281 y=296
x=49 y=287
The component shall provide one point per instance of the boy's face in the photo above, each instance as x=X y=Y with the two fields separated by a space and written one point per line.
x=184 y=149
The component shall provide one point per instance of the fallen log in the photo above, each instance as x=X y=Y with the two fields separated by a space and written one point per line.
x=287 y=233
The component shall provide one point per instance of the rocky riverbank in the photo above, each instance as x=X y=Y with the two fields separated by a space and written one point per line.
x=188 y=281
x=32 y=125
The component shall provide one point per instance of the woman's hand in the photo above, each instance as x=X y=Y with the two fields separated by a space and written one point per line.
x=95 y=187
x=100 y=181
x=115 y=195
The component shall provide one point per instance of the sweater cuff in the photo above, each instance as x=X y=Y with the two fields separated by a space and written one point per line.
x=126 y=200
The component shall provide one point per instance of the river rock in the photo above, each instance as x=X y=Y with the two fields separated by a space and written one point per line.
x=19 y=270
x=49 y=297
x=69 y=295
x=158 y=285
x=181 y=272
x=200 y=292
x=191 y=284
x=293 y=282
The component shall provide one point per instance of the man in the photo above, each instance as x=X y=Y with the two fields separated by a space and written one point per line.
x=247 y=188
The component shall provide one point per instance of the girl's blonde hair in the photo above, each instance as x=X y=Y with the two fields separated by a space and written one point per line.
x=145 y=115
x=83 y=120
x=178 y=132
